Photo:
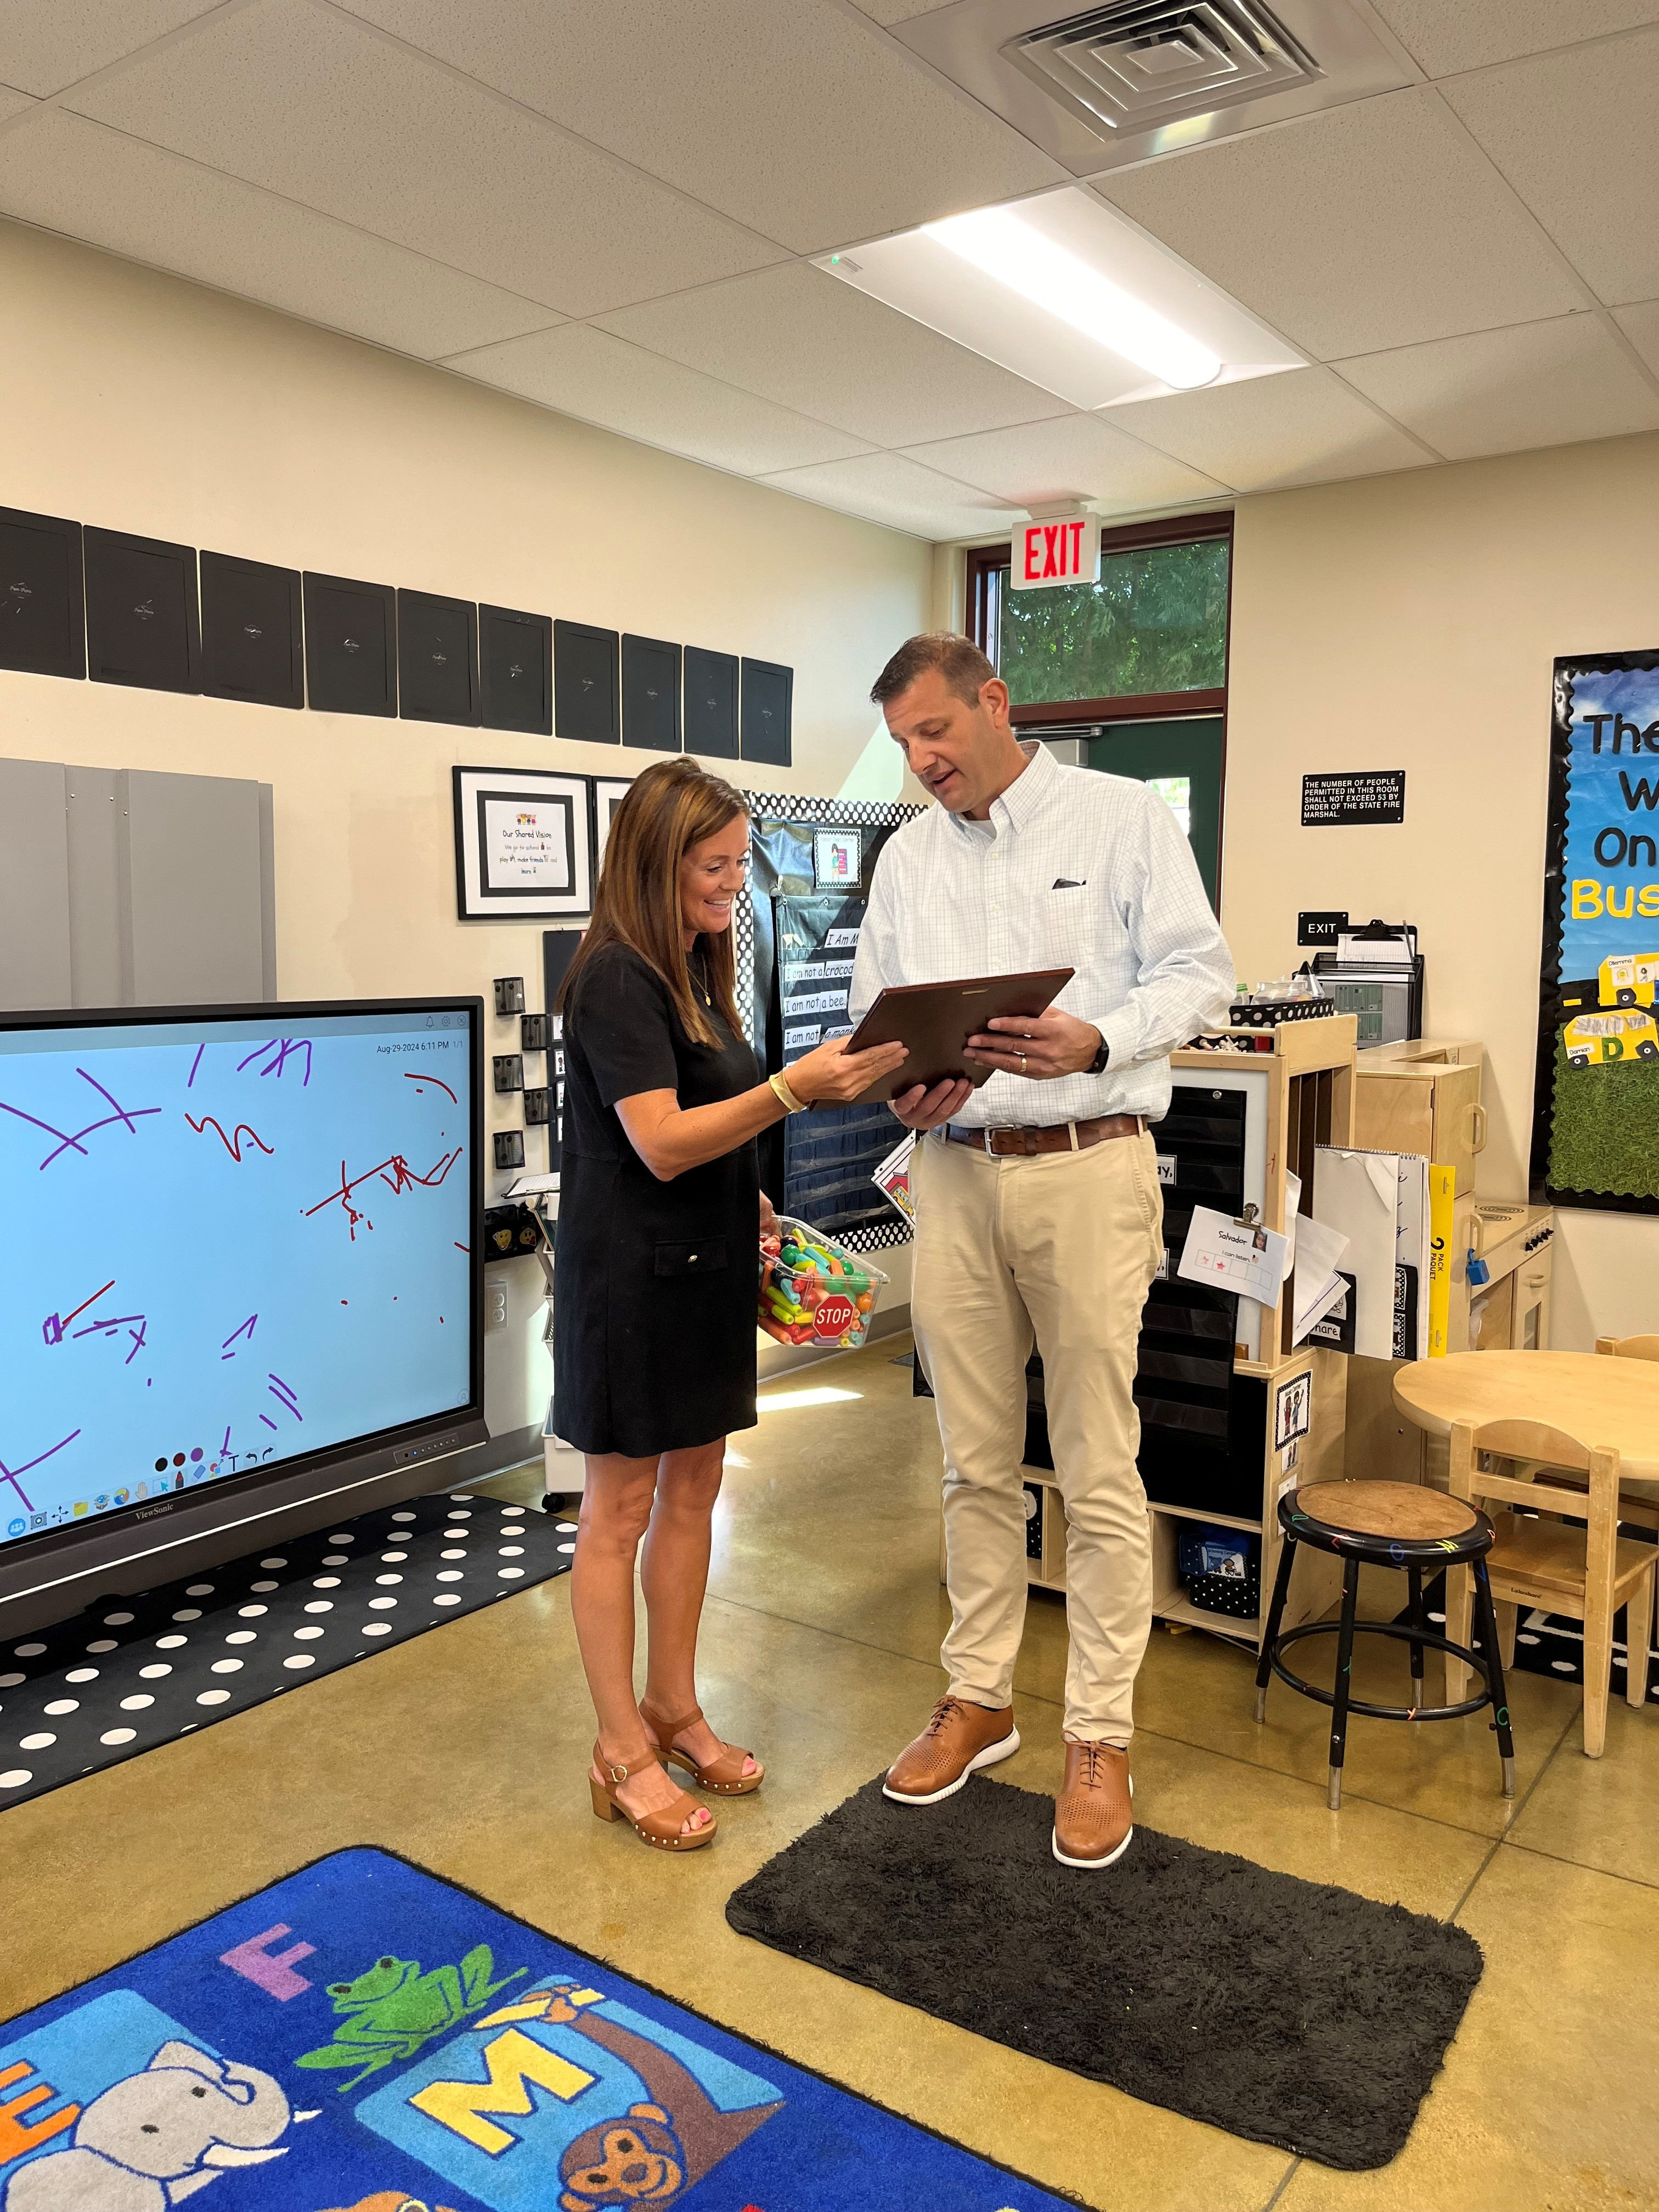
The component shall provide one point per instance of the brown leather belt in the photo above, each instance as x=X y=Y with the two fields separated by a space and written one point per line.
x=1059 y=1137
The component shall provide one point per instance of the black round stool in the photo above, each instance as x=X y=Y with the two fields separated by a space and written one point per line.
x=1387 y=1524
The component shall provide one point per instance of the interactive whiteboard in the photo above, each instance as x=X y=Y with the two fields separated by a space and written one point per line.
x=227 y=1248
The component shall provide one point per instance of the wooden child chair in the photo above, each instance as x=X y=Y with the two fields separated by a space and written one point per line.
x=1579 y=1566
x=1638 y=1507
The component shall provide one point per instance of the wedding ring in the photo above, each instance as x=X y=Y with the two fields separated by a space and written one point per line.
x=1022 y=1063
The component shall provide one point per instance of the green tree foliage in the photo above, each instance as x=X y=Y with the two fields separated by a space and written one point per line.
x=1157 y=621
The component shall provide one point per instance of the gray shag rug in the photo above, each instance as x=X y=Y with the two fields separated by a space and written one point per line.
x=1283 y=2010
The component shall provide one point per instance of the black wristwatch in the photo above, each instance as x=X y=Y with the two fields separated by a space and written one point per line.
x=1098 y=1064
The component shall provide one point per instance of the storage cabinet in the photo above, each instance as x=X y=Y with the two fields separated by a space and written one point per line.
x=1423 y=1097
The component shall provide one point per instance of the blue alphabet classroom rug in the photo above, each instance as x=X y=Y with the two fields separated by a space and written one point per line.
x=364 y=2037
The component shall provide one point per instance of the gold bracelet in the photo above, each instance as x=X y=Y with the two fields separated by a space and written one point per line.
x=786 y=1097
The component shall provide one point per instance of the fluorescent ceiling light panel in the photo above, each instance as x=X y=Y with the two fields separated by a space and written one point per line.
x=1022 y=258
x=1068 y=293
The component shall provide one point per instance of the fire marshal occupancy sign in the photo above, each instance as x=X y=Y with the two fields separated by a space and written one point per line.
x=1356 y=795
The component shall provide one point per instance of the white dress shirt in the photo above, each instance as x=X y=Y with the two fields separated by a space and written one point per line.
x=1074 y=869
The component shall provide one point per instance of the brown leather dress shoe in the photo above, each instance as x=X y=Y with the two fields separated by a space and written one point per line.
x=956 y=1742
x=1094 y=1812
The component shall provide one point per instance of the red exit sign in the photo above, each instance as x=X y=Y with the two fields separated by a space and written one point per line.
x=1066 y=552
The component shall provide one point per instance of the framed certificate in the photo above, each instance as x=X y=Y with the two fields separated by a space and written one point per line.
x=609 y=793
x=523 y=844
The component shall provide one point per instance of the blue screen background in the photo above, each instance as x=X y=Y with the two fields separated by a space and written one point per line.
x=224 y=1247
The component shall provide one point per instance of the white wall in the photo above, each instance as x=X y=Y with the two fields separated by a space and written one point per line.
x=1410 y=622
x=145 y=403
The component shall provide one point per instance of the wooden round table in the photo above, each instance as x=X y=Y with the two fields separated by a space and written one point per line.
x=1600 y=1400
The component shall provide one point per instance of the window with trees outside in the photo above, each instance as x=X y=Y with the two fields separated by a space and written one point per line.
x=1127 y=675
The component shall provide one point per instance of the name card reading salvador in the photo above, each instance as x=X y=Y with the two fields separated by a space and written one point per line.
x=1357 y=795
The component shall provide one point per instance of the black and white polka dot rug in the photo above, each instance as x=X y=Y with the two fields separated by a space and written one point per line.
x=130 y=1673
x=1551 y=1643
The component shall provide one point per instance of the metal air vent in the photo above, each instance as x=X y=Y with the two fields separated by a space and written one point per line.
x=1139 y=64
x=1126 y=80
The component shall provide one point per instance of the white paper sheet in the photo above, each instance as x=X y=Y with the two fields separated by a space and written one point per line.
x=1357 y=1194
x=1317 y=1285
x=1229 y=1257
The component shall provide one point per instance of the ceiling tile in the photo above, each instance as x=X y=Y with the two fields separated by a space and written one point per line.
x=1641 y=327
x=1271 y=432
x=47 y=44
x=1472 y=32
x=887 y=488
x=1080 y=456
x=587 y=373
x=313 y=106
x=1574 y=135
x=896 y=11
x=1372 y=225
x=1503 y=392
x=69 y=175
x=12 y=103
x=795 y=119
x=798 y=336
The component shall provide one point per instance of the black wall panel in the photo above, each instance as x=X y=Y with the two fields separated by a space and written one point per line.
x=711 y=703
x=437 y=659
x=351 y=646
x=142 y=626
x=586 y=693
x=651 y=694
x=768 y=695
x=252 y=632
x=43 y=626
x=516 y=654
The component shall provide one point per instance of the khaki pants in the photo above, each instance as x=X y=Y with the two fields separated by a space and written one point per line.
x=1062 y=1245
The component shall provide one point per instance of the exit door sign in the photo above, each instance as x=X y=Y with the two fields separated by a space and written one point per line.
x=1049 y=553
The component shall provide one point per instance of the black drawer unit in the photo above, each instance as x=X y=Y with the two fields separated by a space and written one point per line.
x=1203 y=1133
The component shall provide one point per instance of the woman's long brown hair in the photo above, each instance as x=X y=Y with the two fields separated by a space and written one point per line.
x=673 y=805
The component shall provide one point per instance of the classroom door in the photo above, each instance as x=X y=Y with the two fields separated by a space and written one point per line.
x=1181 y=758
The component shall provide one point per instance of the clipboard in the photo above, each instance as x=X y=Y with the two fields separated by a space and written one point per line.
x=935 y=1021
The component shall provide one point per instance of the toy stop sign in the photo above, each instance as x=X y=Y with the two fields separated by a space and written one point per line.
x=1066 y=551
x=834 y=1315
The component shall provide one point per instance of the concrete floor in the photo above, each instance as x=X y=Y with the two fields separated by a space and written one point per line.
x=465 y=1750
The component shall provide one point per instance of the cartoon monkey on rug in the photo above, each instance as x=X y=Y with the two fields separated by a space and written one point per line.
x=657 y=2150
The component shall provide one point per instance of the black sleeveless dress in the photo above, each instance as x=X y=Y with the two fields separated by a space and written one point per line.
x=654 y=1293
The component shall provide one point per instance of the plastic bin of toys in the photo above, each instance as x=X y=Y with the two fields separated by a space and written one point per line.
x=814 y=1291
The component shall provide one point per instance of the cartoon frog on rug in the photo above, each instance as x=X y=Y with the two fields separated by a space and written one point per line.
x=393 y=2009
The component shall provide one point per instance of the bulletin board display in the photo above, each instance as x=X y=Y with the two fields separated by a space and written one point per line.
x=798 y=920
x=1595 y=1101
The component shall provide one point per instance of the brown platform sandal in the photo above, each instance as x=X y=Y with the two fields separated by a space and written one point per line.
x=663 y=1829
x=724 y=1776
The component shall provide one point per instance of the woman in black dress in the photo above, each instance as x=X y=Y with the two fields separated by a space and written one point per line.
x=659 y=1218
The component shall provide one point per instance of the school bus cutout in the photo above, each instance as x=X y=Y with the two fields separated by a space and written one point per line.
x=1627 y=979
x=1592 y=1038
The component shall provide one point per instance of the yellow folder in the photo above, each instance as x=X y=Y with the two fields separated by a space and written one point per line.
x=1443 y=1184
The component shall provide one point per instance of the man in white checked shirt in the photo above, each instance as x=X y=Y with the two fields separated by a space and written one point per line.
x=1038 y=1204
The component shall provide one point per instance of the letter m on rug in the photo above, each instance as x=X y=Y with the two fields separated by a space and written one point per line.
x=511 y=2061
